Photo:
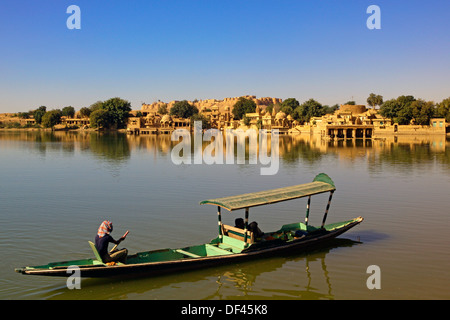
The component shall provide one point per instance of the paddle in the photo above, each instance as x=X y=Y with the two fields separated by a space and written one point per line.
x=123 y=238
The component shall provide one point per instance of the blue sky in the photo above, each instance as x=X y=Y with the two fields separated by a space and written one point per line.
x=143 y=51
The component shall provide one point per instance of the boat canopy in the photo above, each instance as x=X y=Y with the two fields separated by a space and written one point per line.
x=321 y=183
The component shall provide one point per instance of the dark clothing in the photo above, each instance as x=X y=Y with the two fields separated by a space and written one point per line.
x=239 y=223
x=253 y=227
x=102 y=244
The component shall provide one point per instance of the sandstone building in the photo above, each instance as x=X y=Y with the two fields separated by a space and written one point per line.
x=348 y=122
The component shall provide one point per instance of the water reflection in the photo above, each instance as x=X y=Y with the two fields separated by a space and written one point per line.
x=117 y=147
x=407 y=149
x=244 y=278
x=105 y=146
x=234 y=281
x=311 y=149
x=112 y=147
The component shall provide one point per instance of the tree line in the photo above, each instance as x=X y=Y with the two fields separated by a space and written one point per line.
x=113 y=113
x=110 y=114
x=47 y=118
x=407 y=109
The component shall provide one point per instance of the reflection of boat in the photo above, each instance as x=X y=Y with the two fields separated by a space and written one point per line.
x=244 y=276
x=231 y=245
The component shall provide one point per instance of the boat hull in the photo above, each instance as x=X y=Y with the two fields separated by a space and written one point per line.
x=190 y=263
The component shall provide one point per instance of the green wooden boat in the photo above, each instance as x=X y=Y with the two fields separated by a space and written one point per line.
x=231 y=245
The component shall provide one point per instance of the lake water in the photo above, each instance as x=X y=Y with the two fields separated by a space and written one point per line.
x=56 y=188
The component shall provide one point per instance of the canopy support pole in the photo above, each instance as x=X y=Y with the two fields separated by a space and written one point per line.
x=328 y=207
x=307 y=210
x=219 y=216
x=246 y=226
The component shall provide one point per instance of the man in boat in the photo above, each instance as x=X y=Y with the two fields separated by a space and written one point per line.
x=253 y=227
x=239 y=223
x=103 y=238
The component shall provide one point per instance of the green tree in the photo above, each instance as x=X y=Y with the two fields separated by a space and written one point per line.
x=307 y=110
x=443 y=109
x=422 y=111
x=398 y=109
x=51 y=118
x=287 y=110
x=352 y=103
x=206 y=123
x=290 y=102
x=96 y=105
x=390 y=108
x=405 y=101
x=374 y=100
x=68 y=112
x=24 y=115
x=288 y=106
x=183 y=109
x=85 y=112
x=118 y=112
x=99 y=119
x=332 y=109
x=243 y=106
x=405 y=115
x=39 y=113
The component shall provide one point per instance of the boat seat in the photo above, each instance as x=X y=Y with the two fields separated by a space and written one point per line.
x=186 y=253
x=96 y=254
x=237 y=233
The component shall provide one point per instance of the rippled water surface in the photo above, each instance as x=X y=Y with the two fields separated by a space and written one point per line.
x=56 y=188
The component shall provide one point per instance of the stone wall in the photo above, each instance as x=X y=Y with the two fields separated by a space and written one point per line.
x=410 y=130
x=210 y=103
x=354 y=109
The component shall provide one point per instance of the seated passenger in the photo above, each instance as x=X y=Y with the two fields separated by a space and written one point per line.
x=253 y=227
x=239 y=223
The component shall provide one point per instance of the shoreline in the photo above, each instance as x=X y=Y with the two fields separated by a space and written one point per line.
x=89 y=130
x=63 y=130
